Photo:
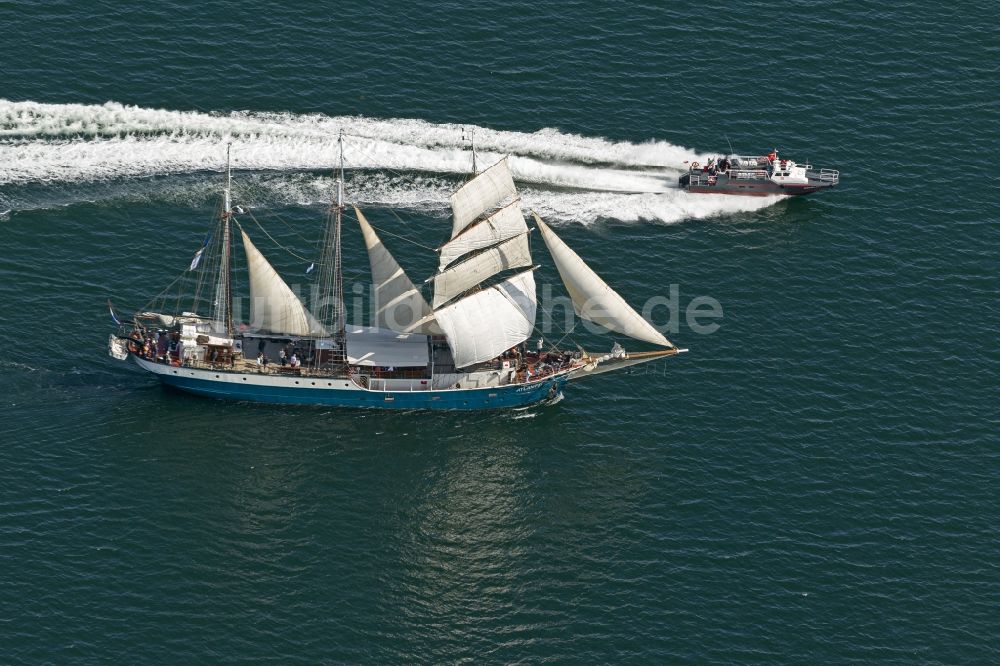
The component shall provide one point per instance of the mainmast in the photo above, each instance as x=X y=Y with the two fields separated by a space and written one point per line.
x=331 y=275
x=340 y=323
x=223 y=303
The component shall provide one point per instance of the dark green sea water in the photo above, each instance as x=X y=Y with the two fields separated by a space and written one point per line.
x=815 y=482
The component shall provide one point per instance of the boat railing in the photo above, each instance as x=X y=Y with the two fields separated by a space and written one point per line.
x=829 y=175
x=243 y=366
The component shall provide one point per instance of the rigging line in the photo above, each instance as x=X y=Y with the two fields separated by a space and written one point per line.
x=396 y=215
x=401 y=220
x=394 y=172
x=534 y=328
x=560 y=340
x=163 y=292
x=297 y=256
x=389 y=233
x=387 y=169
x=289 y=227
x=349 y=165
x=566 y=333
x=354 y=275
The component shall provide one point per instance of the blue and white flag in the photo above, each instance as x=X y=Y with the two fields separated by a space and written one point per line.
x=197 y=258
x=111 y=309
x=197 y=255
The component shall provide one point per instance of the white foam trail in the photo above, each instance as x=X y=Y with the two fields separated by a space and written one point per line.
x=669 y=207
x=569 y=177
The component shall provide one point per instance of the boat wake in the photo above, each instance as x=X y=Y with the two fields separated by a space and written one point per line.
x=88 y=150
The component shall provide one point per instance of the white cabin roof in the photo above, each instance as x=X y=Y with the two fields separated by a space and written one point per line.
x=368 y=345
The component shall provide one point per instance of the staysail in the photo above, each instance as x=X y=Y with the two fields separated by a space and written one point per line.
x=482 y=326
x=398 y=305
x=481 y=194
x=592 y=298
x=274 y=307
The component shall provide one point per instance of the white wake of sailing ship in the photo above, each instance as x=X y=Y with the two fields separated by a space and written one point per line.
x=466 y=349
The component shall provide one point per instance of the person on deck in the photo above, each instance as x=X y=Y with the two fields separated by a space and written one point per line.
x=161 y=346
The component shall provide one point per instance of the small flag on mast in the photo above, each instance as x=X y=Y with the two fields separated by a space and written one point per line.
x=197 y=255
x=197 y=258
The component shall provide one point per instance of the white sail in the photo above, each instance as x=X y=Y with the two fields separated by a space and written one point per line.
x=505 y=223
x=398 y=305
x=274 y=307
x=482 y=326
x=512 y=253
x=592 y=298
x=480 y=195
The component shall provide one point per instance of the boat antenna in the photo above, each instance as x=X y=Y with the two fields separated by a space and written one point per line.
x=731 y=151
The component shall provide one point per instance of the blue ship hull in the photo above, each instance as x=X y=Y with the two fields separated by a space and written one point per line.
x=339 y=393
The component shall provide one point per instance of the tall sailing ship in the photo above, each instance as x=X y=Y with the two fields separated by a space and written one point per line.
x=465 y=349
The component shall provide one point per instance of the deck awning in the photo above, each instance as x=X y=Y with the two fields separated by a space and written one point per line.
x=367 y=345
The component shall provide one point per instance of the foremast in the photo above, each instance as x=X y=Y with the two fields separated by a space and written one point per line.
x=472 y=142
x=482 y=319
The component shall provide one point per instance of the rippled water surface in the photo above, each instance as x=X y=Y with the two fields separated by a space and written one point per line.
x=816 y=481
